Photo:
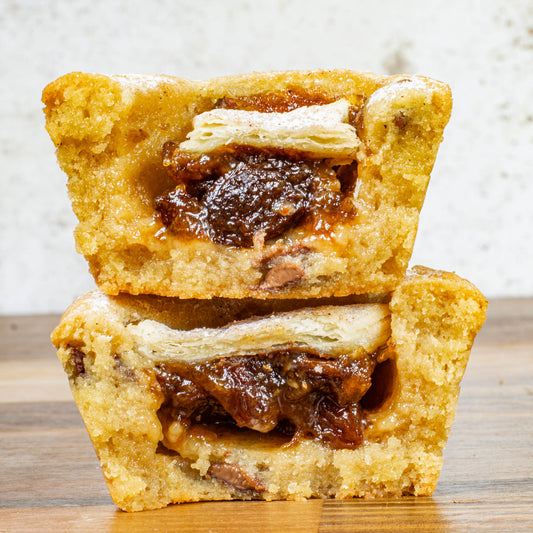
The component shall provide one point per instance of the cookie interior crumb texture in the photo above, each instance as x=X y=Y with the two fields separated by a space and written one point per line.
x=165 y=198
x=425 y=330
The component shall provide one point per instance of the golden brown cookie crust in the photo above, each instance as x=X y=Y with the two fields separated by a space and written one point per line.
x=434 y=317
x=109 y=133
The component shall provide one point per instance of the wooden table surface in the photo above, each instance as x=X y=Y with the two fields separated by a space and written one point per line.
x=51 y=480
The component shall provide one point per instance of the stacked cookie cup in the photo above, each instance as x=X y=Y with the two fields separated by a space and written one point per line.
x=255 y=333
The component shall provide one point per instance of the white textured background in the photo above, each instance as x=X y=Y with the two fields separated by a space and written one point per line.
x=478 y=215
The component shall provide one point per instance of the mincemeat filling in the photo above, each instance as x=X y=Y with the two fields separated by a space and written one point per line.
x=230 y=196
x=279 y=102
x=297 y=393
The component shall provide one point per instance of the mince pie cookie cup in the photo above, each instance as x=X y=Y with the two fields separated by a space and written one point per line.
x=188 y=400
x=266 y=185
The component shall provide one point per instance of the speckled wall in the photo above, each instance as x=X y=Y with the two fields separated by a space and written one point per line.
x=478 y=215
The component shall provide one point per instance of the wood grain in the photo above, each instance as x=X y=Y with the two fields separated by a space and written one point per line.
x=51 y=480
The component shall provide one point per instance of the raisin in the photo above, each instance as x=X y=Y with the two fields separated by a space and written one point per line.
x=266 y=197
